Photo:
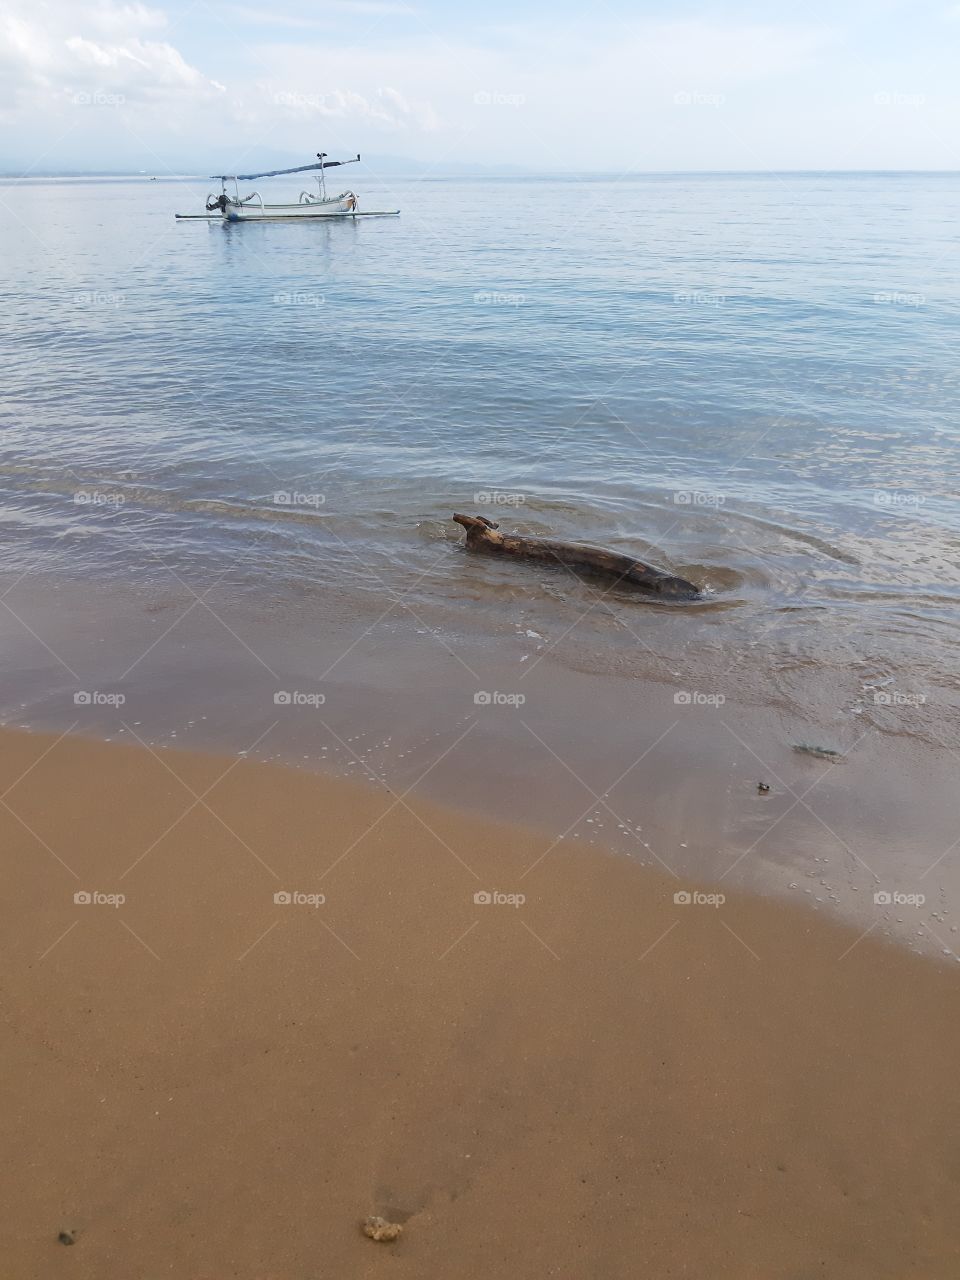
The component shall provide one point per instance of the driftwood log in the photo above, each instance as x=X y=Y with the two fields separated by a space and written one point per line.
x=484 y=536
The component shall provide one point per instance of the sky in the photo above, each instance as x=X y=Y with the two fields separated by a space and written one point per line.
x=203 y=85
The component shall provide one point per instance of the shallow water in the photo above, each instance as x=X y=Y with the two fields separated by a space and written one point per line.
x=749 y=380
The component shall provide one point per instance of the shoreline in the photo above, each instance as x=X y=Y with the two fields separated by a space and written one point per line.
x=607 y=758
x=551 y=1086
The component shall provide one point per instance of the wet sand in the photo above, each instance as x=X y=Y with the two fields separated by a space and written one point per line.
x=203 y=1082
x=612 y=759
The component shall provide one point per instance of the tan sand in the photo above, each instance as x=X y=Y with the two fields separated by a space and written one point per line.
x=598 y=1083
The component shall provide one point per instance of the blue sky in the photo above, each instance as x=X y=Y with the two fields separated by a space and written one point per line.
x=190 y=83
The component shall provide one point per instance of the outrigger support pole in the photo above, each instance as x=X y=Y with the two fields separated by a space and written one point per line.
x=324 y=163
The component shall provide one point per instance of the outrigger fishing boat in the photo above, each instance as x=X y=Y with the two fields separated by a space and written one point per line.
x=252 y=208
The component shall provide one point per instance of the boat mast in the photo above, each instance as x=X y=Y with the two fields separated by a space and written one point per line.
x=321 y=156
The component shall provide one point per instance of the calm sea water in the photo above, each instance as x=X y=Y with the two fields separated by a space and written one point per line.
x=752 y=380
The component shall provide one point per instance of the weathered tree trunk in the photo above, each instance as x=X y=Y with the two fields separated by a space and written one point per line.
x=483 y=536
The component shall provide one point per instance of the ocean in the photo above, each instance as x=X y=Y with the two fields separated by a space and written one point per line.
x=230 y=456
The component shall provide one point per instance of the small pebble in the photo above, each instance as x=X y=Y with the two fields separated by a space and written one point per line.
x=67 y=1237
x=379 y=1229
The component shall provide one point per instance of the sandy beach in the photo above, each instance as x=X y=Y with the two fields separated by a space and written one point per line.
x=479 y=667
x=573 y=1075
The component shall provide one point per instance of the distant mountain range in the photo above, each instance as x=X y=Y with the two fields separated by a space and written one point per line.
x=256 y=160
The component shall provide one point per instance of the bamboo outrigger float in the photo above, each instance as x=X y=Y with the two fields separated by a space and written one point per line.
x=619 y=570
x=252 y=208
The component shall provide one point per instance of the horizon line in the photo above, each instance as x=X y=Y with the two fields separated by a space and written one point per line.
x=483 y=170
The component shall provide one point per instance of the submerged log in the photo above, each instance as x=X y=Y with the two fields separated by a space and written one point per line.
x=484 y=536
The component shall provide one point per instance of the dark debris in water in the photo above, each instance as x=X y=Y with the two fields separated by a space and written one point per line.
x=821 y=753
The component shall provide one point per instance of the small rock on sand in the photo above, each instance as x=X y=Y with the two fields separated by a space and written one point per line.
x=380 y=1229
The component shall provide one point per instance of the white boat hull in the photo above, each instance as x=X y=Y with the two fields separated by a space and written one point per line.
x=252 y=208
x=250 y=211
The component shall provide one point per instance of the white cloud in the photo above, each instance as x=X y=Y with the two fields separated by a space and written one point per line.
x=608 y=93
x=525 y=94
x=142 y=71
x=60 y=52
x=385 y=107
